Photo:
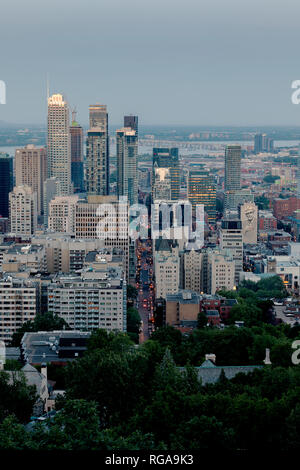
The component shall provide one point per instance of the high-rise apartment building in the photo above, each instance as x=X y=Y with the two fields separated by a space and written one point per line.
x=193 y=270
x=95 y=299
x=202 y=190
x=232 y=167
x=221 y=272
x=167 y=272
x=127 y=155
x=6 y=183
x=97 y=164
x=168 y=158
x=18 y=304
x=97 y=157
x=31 y=170
x=59 y=142
x=132 y=122
x=231 y=239
x=23 y=211
x=62 y=213
x=77 y=174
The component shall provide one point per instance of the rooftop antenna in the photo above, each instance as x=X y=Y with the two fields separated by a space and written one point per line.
x=74 y=112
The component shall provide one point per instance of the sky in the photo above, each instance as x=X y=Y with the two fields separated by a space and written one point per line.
x=187 y=62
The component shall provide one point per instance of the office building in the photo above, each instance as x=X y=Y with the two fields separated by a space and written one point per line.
x=31 y=170
x=59 y=142
x=6 y=183
x=127 y=155
x=168 y=158
x=231 y=239
x=132 y=122
x=202 y=190
x=77 y=172
x=23 y=211
x=232 y=167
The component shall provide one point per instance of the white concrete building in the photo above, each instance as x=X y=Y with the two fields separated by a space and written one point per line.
x=231 y=239
x=18 y=304
x=167 y=270
x=61 y=216
x=221 y=272
x=95 y=299
x=23 y=211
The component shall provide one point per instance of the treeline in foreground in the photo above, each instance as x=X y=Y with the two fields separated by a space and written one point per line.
x=120 y=396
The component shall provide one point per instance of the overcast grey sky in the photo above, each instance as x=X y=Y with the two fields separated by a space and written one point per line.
x=199 y=62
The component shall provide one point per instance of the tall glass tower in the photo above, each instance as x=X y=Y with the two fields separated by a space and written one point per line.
x=168 y=158
x=127 y=152
x=97 y=156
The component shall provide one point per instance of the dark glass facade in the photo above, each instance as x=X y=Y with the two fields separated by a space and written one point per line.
x=6 y=183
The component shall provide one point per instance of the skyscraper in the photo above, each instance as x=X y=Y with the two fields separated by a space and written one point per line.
x=97 y=157
x=127 y=151
x=232 y=167
x=202 y=190
x=59 y=142
x=6 y=183
x=76 y=132
x=132 y=122
x=168 y=158
x=31 y=169
x=98 y=116
x=263 y=143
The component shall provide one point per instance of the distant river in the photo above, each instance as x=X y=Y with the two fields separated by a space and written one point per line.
x=185 y=151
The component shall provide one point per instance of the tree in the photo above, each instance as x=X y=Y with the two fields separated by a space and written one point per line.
x=271 y=179
x=132 y=292
x=133 y=323
x=201 y=320
x=16 y=397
